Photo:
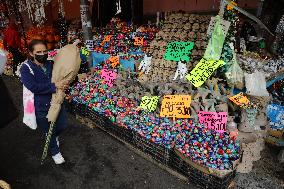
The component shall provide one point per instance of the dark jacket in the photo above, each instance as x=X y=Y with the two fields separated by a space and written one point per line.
x=39 y=83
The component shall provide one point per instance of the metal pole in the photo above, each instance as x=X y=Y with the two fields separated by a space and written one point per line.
x=86 y=24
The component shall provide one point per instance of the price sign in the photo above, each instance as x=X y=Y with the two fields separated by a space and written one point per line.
x=149 y=103
x=138 y=41
x=85 y=51
x=240 y=99
x=177 y=51
x=109 y=76
x=176 y=106
x=214 y=120
x=52 y=54
x=203 y=70
x=106 y=39
x=114 y=60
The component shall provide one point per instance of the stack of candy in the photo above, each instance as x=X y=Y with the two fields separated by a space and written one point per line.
x=122 y=38
x=207 y=147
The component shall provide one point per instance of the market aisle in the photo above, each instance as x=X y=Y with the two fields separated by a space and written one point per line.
x=95 y=159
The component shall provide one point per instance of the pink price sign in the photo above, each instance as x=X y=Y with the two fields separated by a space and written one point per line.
x=109 y=76
x=214 y=120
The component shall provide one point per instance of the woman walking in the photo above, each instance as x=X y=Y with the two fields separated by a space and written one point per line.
x=36 y=76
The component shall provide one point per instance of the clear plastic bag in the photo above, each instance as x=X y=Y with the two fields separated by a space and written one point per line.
x=235 y=74
x=256 y=84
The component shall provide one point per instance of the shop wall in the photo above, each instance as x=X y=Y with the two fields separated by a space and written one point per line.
x=153 y=6
x=72 y=10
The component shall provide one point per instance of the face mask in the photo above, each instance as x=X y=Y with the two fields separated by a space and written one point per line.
x=41 y=58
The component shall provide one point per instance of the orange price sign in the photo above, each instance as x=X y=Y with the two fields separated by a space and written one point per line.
x=114 y=60
x=240 y=99
x=176 y=106
x=106 y=39
x=138 y=41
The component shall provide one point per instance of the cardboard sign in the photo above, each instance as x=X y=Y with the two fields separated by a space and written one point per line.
x=214 y=120
x=149 y=103
x=52 y=54
x=176 y=106
x=240 y=99
x=114 y=60
x=138 y=41
x=275 y=113
x=85 y=51
x=203 y=70
x=89 y=45
x=109 y=76
x=177 y=51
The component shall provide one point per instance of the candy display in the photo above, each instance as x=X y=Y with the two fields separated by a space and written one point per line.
x=95 y=94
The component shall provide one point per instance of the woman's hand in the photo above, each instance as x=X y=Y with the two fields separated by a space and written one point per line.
x=61 y=85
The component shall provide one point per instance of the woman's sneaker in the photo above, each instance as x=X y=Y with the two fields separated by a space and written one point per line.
x=58 y=159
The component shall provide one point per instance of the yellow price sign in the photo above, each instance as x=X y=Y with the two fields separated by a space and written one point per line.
x=149 y=103
x=203 y=70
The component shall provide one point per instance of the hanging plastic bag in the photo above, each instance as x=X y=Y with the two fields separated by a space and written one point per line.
x=216 y=42
x=29 y=108
x=235 y=74
x=256 y=84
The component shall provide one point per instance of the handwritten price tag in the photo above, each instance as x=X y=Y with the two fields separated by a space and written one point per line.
x=85 y=51
x=106 y=39
x=176 y=106
x=240 y=99
x=203 y=70
x=52 y=54
x=177 y=51
x=114 y=60
x=138 y=41
x=214 y=120
x=109 y=76
x=149 y=103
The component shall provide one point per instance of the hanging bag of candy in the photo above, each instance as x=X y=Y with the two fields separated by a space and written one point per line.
x=235 y=75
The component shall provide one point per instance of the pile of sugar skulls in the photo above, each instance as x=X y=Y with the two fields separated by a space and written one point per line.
x=204 y=146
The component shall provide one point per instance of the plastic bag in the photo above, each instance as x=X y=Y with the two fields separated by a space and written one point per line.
x=29 y=108
x=235 y=74
x=216 y=42
x=256 y=84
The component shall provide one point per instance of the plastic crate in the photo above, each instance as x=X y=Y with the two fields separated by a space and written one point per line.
x=159 y=153
x=120 y=132
x=199 y=177
x=98 y=119
x=156 y=151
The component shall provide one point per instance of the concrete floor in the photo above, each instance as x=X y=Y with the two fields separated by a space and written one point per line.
x=96 y=160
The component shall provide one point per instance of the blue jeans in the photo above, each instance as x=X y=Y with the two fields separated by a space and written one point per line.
x=60 y=125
